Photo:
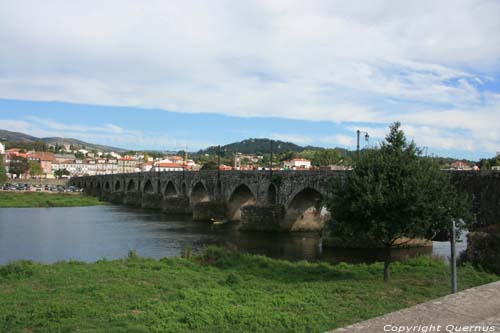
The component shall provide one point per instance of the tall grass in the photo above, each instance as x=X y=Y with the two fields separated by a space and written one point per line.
x=214 y=291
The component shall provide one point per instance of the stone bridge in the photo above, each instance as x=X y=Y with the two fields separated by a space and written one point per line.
x=260 y=200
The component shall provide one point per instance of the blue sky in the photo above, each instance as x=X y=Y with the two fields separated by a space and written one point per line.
x=163 y=75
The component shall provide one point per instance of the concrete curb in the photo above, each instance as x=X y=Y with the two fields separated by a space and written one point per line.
x=472 y=310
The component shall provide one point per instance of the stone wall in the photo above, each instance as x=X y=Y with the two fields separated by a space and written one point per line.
x=204 y=211
x=262 y=218
x=483 y=249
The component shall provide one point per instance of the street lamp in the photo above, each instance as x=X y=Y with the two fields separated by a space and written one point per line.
x=367 y=137
x=271 y=162
x=218 y=163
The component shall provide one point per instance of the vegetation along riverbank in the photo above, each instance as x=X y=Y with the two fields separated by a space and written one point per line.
x=46 y=199
x=215 y=291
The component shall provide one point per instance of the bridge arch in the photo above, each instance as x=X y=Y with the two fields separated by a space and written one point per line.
x=240 y=197
x=117 y=185
x=98 y=186
x=272 y=197
x=148 y=187
x=306 y=210
x=131 y=186
x=170 y=190
x=158 y=186
x=199 y=193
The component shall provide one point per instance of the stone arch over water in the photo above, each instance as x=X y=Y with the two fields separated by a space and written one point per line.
x=148 y=187
x=170 y=190
x=131 y=186
x=306 y=211
x=272 y=198
x=240 y=197
x=117 y=185
x=199 y=193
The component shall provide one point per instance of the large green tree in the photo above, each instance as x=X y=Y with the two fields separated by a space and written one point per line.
x=35 y=168
x=18 y=165
x=61 y=172
x=393 y=194
x=3 y=175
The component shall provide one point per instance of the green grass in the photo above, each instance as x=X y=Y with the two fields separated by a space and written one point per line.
x=217 y=291
x=46 y=199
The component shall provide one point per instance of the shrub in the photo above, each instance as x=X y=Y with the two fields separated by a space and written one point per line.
x=17 y=269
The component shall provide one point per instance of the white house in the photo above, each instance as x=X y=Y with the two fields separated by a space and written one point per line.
x=297 y=163
x=2 y=149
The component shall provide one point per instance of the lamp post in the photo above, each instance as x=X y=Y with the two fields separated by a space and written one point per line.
x=271 y=162
x=367 y=137
x=218 y=163
x=453 y=259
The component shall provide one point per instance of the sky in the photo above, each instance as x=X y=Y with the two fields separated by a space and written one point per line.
x=169 y=74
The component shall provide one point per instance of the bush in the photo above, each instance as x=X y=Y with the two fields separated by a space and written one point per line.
x=18 y=269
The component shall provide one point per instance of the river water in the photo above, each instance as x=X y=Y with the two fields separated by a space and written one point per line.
x=92 y=233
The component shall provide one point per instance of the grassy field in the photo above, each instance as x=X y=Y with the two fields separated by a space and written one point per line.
x=45 y=199
x=217 y=291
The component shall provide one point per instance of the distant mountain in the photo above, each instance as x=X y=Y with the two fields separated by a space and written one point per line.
x=25 y=138
x=258 y=146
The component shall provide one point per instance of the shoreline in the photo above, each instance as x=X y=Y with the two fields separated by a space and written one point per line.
x=32 y=199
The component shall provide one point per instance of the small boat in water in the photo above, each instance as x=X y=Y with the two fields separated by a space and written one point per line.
x=218 y=222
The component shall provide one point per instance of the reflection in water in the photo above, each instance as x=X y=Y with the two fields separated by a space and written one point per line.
x=93 y=233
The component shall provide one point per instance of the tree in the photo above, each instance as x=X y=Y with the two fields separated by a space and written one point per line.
x=35 y=168
x=393 y=194
x=146 y=157
x=79 y=155
x=209 y=165
x=18 y=166
x=61 y=172
x=3 y=176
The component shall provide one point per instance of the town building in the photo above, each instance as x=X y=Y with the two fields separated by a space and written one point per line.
x=297 y=164
x=46 y=159
x=128 y=164
x=165 y=166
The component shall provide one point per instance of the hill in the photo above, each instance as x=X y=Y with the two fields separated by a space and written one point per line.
x=258 y=146
x=17 y=137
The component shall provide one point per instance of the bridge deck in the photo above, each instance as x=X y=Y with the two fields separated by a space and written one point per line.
x=477 y=307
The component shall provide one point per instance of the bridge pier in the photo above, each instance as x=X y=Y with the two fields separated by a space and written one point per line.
x=262 y=217
x=176 y=205
x=133 y=199
x=151 y=200
x=204 y=211
x=116 y=197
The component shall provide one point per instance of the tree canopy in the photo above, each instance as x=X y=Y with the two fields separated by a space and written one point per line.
x=35 y=168
x=3 y=175
x=61 y=172
x=392 y=194
x=18 y=166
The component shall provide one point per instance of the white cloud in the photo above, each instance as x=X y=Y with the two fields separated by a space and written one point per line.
x=110 y=134
x=422 y=62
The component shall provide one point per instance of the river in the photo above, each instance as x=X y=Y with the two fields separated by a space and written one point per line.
x=91 y=233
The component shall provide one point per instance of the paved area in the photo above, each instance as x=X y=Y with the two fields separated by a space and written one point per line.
x=472 y=310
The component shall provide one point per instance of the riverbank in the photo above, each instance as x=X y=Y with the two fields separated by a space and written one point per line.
x=10 y=199
x=216 y=291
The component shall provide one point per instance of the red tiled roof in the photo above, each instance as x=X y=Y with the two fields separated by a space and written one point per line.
x=42 y=156
x=168 y=165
